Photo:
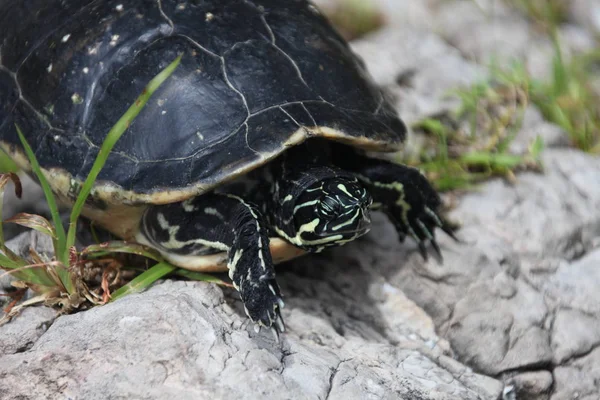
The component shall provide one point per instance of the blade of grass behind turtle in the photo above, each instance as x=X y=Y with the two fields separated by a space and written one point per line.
x=111 y=138
x=63 y=272
x=18 y=269
x=33 y=274
x=144 y=280
x=17 y=309
x=8 y=263
x=560 y=74
x=536 y=147
x=492 y=160
x=34 y=222
x=50 y=198
x=103 y=249
x=199 y=276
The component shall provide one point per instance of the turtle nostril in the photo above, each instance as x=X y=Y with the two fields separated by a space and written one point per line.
x=365 y=198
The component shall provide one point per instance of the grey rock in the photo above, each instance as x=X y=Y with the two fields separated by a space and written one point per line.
x=570 y=288
x=186 y=340
x=566 y=288
x=579 y=379
x=533 y=126
x=574 y=334
x=20 y=335
x=484 y=34
x=543 y=215
x=498 y=332
x=490 y=32
x=32 y=201
x=498 y=294
x=25 y=241
x=586 y=13
x=420 y=83
x=21 y=245
x=532 y=385
x=497 y=288
x=517 y=299
x=414 y=13
x=5 y=286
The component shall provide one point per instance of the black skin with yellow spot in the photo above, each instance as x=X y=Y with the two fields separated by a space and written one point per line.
x=333 y=185
x=232 y=224
x=257 y=78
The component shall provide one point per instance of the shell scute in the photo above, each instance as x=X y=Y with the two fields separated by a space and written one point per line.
x=257 y=77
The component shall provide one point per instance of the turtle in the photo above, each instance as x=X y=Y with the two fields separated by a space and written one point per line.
x=263 y=145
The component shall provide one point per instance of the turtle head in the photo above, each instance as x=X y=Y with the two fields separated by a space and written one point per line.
x=331 y=212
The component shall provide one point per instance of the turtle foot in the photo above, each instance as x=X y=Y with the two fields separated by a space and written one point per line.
x=263 y=304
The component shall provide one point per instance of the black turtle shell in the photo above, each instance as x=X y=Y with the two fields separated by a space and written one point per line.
x=256 y=76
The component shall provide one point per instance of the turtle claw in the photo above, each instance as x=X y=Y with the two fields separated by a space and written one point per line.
x=275 y=329
x=449 y=230
x=279 y=323
x=280 y=303
x=441 y=223
x=275 y=333
x=263 y=303
x=423 y=250
x=422 y=229
x=438 y=251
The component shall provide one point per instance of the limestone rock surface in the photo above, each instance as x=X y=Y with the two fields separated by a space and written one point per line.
x=512 y=313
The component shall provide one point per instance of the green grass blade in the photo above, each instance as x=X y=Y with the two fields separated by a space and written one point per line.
x=20 y=270
x=115 y=133
x=34 y=222
x=560 y=74
x=107 y=248
x=7 y=164
x=144 y=280
x=50 y=199
x=502 y=160
x=2 y=245
x=199 y=276
x=536 y=147
x=63 y=273
x=8 y=263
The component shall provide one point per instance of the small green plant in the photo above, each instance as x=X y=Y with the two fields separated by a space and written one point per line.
x=60 y=280
x=473 y=144
x=545 y=14
x=568 y=100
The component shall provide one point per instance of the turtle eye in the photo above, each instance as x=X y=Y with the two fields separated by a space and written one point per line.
x=328 y=207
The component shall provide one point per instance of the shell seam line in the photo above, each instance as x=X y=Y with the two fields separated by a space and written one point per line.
x=164 y=15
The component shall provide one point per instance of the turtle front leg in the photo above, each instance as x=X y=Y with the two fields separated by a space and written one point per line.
x=403 y=194
x=212 y=223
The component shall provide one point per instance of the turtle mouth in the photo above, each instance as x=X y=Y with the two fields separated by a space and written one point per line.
x=364 y=225
x=354 y=226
